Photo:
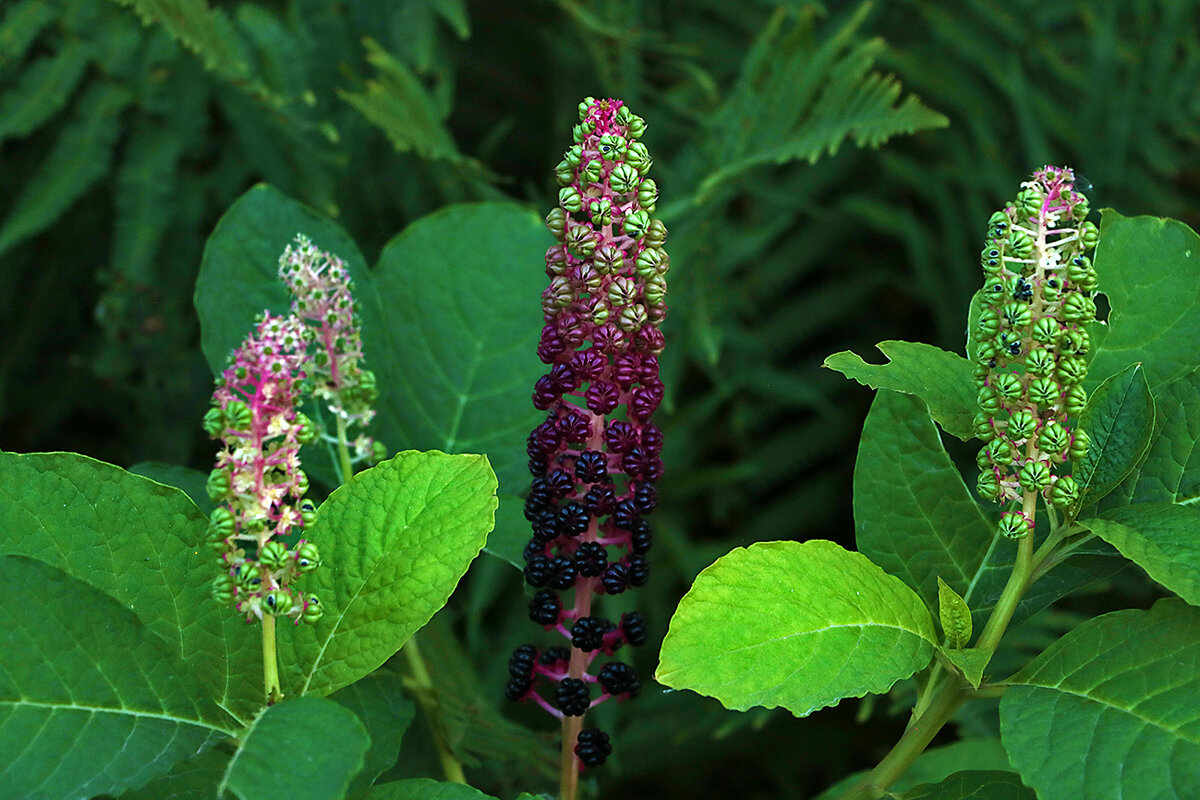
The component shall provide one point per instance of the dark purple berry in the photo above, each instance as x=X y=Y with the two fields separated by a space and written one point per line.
x=538 y=464
x=563 y=379
x=574 y=427
x=652 y=440
x=602 y=397
x=572 y=519
x=590 y=559
x=562 y=573
x=625 y=369
x=516 y=688
x=573 y=331
x=550 y=345
x=591 y=467
x=644 y=401
x=538 y=572
x=587 y=634
x=520 y=664
x=619 y=436
x=648 y=370
x=617 y=677
x=608 y=337
x=545 y=437
x=588 y=364
x=639 y=569
x=545 y=608
x=545 y=526
x=593 y=747
x=544 y=395
x=555 y=657
x=534 y=548
x=560 y=483
x=600 y=500
x=633 y=626
x=572 y=697
x=625 y=514
x=645 y=496
x=634 y=462
x=616 y=578
x=641 y=536
x=654 y=469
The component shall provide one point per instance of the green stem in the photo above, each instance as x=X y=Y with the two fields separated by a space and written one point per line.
x=270 y=663
x=343 y=450
x=1018 y=582
x=426 y=694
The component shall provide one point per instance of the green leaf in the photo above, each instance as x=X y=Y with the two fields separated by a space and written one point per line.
x=425 y=789
x=379 y=703
x=935 y=765
x=954 y=616
x=22 y=23
x=193 y=779
x=303 y=749
x=394 y=541
x=1112 y=709
x=1149 y=268
x=190 y=481
x=80 y=157
x=91 y=701
x=146 y=182
x=204 y=31
x=762 y=625
x=140 y=542
x=973 y=785
x=913 y=515
x=43 y=88
x=507 y=540
x=1170 y=472
x=1119 y=418
x=971 y=662
x=1161 y=538
x=943 y=380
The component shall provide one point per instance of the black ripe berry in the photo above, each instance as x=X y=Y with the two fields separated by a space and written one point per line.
x=537 y=571
x=641 y=536
x=545 y=526
x=590 y=559
x=587 y=633
x=616 y=578
x=562 y=573
x=520 y=664
x=572 y=519
x=572 y=697
x=600 y=500
x=516 y=688
x=591 y=467
x=560 y=482
x=625 y=514
x=645 y=496
x=593 y=747
x=617 y=677
x=545 y=607
x=633 y=625
x=555 y=657
x=639 y=569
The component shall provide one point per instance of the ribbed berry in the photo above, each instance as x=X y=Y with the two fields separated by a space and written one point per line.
x=545 y=525
x=538 y=571
x=600 y=500
x=574 y=428
x=516 y=688
x=587 y=633
x=562 y=573
x=572 y=697
x=593 y=747
x=633 y=626
x=625 y=514
x=555 y=657
x=591 y=467
x=645 y=496
x=617 y=677
x=590 y=559
x=572 y=519
x=560 y=483
x=639 y=569
x=520 y=663
x=641 y=536
x=619 y=436
x=545 y=608
x=616 y=578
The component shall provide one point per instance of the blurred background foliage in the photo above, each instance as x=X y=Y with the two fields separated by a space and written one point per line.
x=128 y=127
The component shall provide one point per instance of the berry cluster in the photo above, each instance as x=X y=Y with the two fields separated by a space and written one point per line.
x=1032 y=345
x=257 y=482
x=596 y=457
x=323 y=298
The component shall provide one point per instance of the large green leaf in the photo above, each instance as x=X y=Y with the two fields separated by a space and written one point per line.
x=762 y=625
x=379 y=703
x=42 y=89
x=1149 y=268
x=1170 y=472
x=1119 y=418
x=194 y=779
x=426 y=789
x=973 y=785
x=190 y=481
x=941 y=379
x=91 y=701
x=138 y=541
x=450 y=331
x=1161 y=538
x=395 y=540
x=303 y=749
x=935 y=765
x=1112 y=709
x=913 y=515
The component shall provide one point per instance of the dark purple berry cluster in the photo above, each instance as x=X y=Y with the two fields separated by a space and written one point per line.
x=596 y=458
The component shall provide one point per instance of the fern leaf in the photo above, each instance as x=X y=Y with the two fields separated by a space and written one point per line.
x=399 y=104
x=20 y=27
x=801 y=99
x=42 y=90
x=145 y=187
x=81 y=156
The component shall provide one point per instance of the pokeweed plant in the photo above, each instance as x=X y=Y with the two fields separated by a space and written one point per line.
x=1087 y=428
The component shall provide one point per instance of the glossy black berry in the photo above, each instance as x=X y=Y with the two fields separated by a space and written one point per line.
x=591 y=467
x=587 y=634
x=619 y=436
x=572 y=697
x=572 y=519
x=555 y=657
x=645 y=496
x=533 y=548
x=562 y=573
x=516 y=688
x=520 y=664
x=593 y=747
x=538 y=571
x=560 y=483
x=635 y=461
x=538 y=463
x=545 y=608
x=590 y=559
x=625 y=514
x=641 y=536
x=617 y=677
x=639 y=569
x=600 y=500
x=616 y=578
x=545 y=526
x=1023 y=290
x=633 y=626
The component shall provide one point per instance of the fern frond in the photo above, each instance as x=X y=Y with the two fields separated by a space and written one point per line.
x=81 y=156
x=42 y=90
x=20 y=27
x=145 y=185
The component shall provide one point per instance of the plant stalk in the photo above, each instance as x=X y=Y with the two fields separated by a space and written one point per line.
x=270 y=663
x=343 y=450
x=426 y=694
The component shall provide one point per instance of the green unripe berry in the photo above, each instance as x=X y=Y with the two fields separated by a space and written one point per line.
x=1021 y=425
x=249 y=576
x=1034 y=476
x=623 y=178
x=1007 y=385
x=601 y=313
x=1043 y=392
x=635 y=223
x=983 y=459
x=573 y=155
x=1052 y=290
x=638 y=157
x=994 y=291
x=1071 y=370
x=1075 y=342
x=988 y=487
x=214 y=422
x=1080 y=442
x=306 y=429
x=998 y=225
x=988 y=325
x=278 y=602
x=312 y=609
x=656 y=234
x=1019 y=244
x=979 y=373
x=584 y=106
x=591 y=171
x=1079 y=308
x=273 y=555
x=608 y=259
x=1046 y=330
x=986 y=352
x=308 y=557
x=220 y=522
x=1089 y=234
x=564 y=173
x=622 y=291
x=1017 y=315
x=631 y=318
x=1000 y=452
x=589 y=277
x=656 y=290
x=1014 y=525
x=1078 y=268
x=224 y=589
x=580 y=241
x=647 y=194
x=988 y=400
x=569 y=199
x=308 y=512
x=1053 y=438
x=238 y=415
x=1080 y=206
x=991 y=260
x=612 y=146
x=217 y=485
x=983 y=427
x=1064 y=492
x=1040 y=361
x=1090 y=281
x=636 y=126
x=600 y=211
x=1029 y=201
x=651 y=262
x=1075 y=400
